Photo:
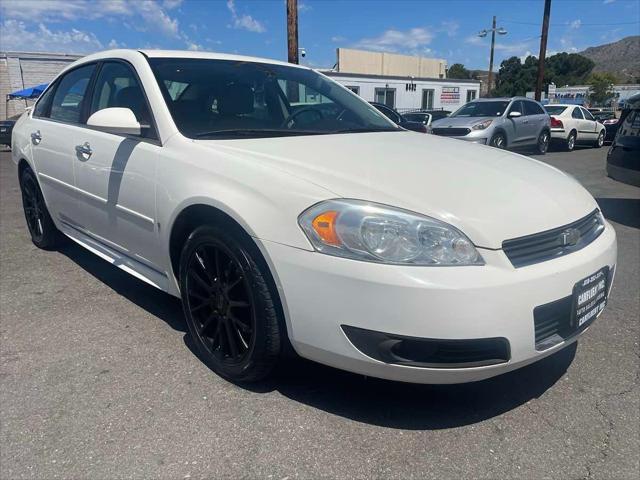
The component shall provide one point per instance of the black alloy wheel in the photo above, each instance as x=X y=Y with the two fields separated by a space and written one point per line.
x=543 y=142
x=43 y=231
x=498 y=141
x=229 y=308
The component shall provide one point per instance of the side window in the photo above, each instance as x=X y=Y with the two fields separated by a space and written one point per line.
x=517 y=107
x=532 y=108
x=577 y=114
x=43 y=106
x=69 y=96
x=587 y=114
x=117 y=86
x=390 y=114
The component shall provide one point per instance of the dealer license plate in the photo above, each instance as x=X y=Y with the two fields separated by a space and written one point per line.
x=589 y=298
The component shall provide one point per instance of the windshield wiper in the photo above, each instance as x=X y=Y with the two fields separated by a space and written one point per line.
x=258 y=132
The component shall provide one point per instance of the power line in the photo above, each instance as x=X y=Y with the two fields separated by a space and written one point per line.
x=569 y=24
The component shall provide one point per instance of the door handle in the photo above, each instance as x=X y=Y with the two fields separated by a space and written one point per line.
x=84 y=149
x=36 y=138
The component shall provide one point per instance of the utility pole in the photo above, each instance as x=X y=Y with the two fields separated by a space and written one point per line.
x=482 y=34
x=292 y=30
x=543 y=48
x=493 y=44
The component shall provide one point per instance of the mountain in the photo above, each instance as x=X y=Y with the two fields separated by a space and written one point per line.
x=621 y=58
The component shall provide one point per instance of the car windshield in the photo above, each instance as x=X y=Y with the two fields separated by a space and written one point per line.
x=240 y=99
x=482 y=109
x=554 y=110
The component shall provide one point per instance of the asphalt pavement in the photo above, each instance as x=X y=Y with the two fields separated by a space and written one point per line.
x=98 y=380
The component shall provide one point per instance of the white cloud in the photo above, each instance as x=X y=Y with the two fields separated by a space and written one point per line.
x=244 y=22
x=194 y=47
x=606 y=2
x=304 y=7
x=171 y=4
x=449 y=27
x=575 y=24
x=114 y=44
x=148 y=14
x=16 y=35
x=396 y=40
x=338 y=39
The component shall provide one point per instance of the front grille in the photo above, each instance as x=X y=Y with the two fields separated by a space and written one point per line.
x=429 y=352
x=548 y=245
x=451 y=132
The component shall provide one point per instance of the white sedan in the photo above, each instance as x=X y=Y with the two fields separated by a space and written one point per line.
x=572 y=124
x=289 y=215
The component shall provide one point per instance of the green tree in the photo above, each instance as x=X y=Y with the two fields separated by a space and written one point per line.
x=457 y=70
x=601 y=87
x=568 y=69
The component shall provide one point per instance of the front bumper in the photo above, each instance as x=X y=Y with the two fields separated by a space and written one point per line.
x=320 y=294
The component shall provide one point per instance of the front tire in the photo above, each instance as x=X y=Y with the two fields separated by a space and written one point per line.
x=498 y=140
x=43 y=231
x=542 y=145
x=230 y=310
x=600 y=140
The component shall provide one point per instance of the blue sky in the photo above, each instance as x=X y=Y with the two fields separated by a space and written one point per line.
x=436 y=28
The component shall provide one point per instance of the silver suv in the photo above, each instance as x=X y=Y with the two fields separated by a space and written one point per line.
x=499 y=122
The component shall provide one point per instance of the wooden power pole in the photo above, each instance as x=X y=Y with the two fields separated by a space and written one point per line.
x=292 y=30
x=543 y=48
x=493 y=44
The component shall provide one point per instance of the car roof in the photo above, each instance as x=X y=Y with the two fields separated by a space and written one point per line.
x=501 y=99
x=563 y=105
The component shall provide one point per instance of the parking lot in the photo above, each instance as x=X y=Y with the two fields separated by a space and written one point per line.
x=98 y=380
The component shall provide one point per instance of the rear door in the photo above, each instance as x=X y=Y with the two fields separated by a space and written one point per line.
x=590 y=125
x=116 y=173
x=55 y=120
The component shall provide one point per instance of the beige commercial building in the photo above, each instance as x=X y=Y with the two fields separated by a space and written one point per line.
x=20 y=70
x=392 y=64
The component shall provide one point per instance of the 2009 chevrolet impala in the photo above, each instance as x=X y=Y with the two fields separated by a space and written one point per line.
x=287 y=213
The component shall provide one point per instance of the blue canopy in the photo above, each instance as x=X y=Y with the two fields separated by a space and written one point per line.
x=31 y=92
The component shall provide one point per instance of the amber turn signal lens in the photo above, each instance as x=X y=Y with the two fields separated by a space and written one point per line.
x=325 y=226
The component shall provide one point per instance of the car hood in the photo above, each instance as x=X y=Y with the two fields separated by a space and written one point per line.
x=459 y=121
x=489 y=194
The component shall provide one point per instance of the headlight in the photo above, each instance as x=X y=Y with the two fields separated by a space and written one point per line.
x=482 y=125
x=376 y=233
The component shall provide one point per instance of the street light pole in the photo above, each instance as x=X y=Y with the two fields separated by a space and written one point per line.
x=493 y=44
x=483 y=33
x=543 y=48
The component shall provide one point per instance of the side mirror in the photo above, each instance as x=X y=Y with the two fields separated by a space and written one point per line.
x=515 y=114
x=116 y=120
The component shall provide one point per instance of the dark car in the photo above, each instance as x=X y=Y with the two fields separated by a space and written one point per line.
x=610 y=122
x=623 y=158
x=398 y=119
x=425 y=116
x=6 y=127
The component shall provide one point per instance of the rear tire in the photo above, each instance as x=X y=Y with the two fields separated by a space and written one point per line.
x=230 y=311
x=571 y=142
x=498 y=140
x=600 y=140
x=542 y=145
x=43 y=231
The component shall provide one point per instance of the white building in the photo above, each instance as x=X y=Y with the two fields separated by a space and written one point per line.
x=410 y=93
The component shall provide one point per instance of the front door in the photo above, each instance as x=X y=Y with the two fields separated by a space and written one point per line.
x=55 y=119
x=115 y=174
x=517 y=126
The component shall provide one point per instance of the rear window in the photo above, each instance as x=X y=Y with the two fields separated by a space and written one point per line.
x=554 y=110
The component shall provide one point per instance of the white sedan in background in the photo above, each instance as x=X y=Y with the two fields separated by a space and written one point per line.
x=320 y=227
x=572 y=124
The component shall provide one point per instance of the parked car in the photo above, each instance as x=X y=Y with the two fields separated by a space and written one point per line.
x=610 y=122
x=426 y=117
x=395 y=117
x=623 y=158
x=498 y=122
x=6 y=127
x=342 y=238
x=573 y=124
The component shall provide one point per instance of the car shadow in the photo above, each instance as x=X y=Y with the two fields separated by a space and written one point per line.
x=352 y=396
x=625 y=211
x=162 y=305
